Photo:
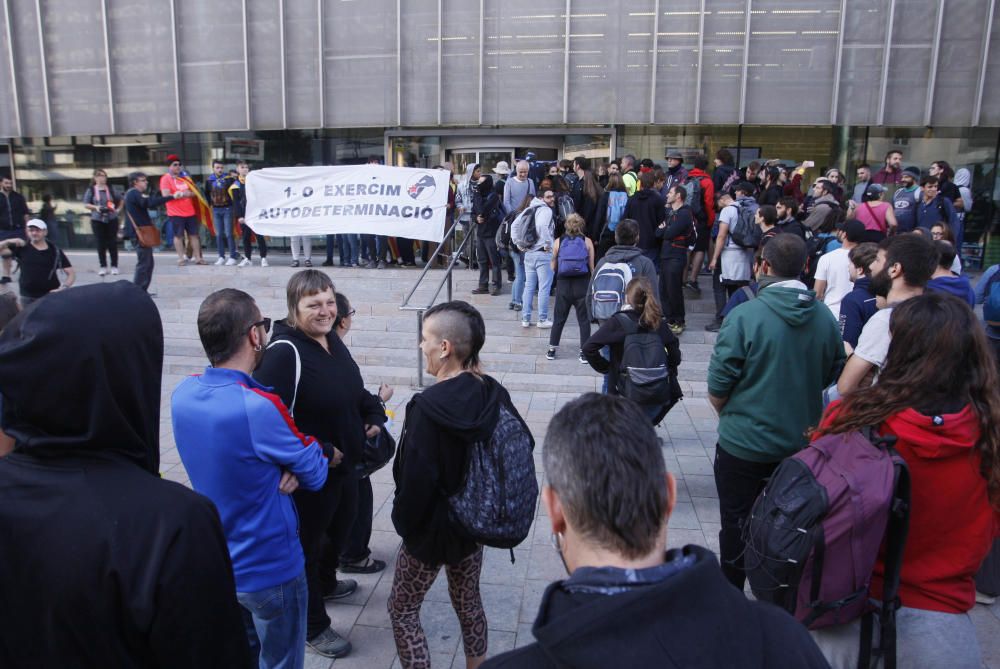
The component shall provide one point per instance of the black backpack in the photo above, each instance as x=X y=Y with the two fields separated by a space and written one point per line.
x=524 y=226
x=503 y=232
x=693 y=198
x=643 y=375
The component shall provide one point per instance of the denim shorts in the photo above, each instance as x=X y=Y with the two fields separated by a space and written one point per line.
x=184 y=224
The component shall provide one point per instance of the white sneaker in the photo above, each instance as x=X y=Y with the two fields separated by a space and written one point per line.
x=264 y=263
x=525 y=324
x=544 y=325
x=102 y=272
x=220 y=261
x=230 y=262
x=246 y=262
x=114 y=270
x=983 y=598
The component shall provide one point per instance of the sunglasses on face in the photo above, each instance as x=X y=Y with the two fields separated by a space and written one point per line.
x=266 y=322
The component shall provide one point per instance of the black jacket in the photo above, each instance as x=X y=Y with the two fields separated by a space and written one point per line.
x=441 y=423
x=791 y=225
x=331 y=403
x=646 y=207
x=105 y=564
x=720 y=175
x=692 y=620
x=13 y=211
x=137 y=206
x=611 y=334
x=679 y=222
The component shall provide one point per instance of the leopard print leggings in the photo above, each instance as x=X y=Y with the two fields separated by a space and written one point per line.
x=410 y=584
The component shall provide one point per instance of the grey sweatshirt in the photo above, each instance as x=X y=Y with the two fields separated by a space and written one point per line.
x=515 y=191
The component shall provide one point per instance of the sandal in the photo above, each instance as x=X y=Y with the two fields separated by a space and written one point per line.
x=367 y=566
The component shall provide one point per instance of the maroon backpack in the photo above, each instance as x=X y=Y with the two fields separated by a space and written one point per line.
x=814 y=533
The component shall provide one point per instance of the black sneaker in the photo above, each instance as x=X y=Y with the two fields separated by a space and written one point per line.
x=345 y=588
x=295 y=263
x=693 y=287
x=713 y=326
x=583 y=359
x=5 y=279
x=327 y=263
x=551 y=353
x=482 y=290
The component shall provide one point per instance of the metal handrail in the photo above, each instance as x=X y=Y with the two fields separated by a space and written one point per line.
x=447 y=279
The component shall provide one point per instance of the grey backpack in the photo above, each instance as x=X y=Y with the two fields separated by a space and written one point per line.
x=495 y=503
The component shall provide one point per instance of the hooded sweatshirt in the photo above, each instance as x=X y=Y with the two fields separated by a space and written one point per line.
x=855 y=309
x=773 y=357
x=648 y=209
x=952 y=524
x=690 y=618
x=104 y=563
x=959 y=286
x=963 y=179
x=441 y=424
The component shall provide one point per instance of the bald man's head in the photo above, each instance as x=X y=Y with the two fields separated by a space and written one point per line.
x=462 y=326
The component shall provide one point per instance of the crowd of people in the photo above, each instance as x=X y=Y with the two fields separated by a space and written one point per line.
x=833 y=315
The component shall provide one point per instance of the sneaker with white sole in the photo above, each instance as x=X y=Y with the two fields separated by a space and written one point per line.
x=525 y=324
x=329 y=644
x=264 y=263
x=551 y=353
x=114 y=271
x=230 y=262
x=102 y=272
x=545 y=325
x=220 y=261
x=583 y=359
x=246 y=262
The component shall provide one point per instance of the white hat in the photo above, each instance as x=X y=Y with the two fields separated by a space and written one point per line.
x=502 y=168
x=37 y=223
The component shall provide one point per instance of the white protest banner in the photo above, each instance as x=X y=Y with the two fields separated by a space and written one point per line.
x=373 y=199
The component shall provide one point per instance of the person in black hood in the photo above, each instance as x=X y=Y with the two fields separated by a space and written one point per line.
x=313 y=373
x=647 y=208
x=104 y=563
x=486 y=212
x=626 y=603
x=442 y=422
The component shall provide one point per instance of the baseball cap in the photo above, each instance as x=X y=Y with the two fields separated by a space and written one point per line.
x=173 y=158
x=503 y=167
x=37 y=223
x=874 y=191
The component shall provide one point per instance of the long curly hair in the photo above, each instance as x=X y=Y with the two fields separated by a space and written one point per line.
x=939 y=353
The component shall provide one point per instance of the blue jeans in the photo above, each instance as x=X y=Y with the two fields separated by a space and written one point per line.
x=350 y=247
x=223 y=219
x=538 y=277
x=275 y=621
x=517 y=290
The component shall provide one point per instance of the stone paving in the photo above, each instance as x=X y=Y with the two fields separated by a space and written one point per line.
x=384 y=344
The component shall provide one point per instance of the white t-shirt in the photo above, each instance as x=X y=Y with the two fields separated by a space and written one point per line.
x=873 y=344
x=835 y=268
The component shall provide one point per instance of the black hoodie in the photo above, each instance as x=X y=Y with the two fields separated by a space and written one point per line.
x=104 y=563
x=441 y=423
x=648 y=209
x=694 y=619
x=331 y=402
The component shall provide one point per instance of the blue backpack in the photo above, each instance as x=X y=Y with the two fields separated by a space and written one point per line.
x=572 y=259
x=991 y=301
x=616 y=208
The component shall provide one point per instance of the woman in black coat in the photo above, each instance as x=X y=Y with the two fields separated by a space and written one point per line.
x=313 y=373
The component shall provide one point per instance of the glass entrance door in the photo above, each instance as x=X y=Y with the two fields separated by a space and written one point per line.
x=487 y=159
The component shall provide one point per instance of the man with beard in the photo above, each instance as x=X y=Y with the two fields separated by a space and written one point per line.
x=901 y=270
x=242 y=450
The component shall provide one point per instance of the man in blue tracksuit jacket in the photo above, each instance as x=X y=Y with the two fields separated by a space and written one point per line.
x=242 y=450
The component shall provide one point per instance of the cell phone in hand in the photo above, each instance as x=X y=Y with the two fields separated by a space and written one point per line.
x=808 y=163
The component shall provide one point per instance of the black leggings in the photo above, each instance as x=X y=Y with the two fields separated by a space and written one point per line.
x=248 y=243
x=571 y=291
x=106 y=234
